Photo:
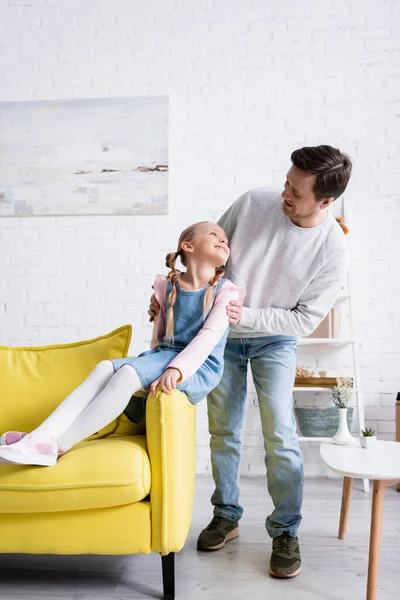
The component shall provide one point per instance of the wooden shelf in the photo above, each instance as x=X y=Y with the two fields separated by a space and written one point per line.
x=313 y=388
x=342 y=297
x=328 y=440
x=324 y=341
x=302 y=438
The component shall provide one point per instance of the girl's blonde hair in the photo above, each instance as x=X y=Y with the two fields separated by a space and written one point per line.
x=187 y=235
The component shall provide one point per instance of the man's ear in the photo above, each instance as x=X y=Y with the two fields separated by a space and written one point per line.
x=187 y=247
x=326 y=202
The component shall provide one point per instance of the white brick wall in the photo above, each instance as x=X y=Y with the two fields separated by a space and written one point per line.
x=248 y=82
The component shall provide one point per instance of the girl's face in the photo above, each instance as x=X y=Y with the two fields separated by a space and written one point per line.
x=209 y=245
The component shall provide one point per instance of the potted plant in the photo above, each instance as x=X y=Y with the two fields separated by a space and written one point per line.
x=367 y=437
x=341 y=396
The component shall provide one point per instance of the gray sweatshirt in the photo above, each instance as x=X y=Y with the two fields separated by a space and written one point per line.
x=292 y=274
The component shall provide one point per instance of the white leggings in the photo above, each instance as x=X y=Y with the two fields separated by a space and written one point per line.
x=102 y=397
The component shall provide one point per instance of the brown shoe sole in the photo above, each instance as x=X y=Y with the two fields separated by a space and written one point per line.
x=283 y=575
x=231 y=536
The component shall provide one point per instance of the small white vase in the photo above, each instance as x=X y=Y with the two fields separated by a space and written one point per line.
x=343 y=435
x=367 y=441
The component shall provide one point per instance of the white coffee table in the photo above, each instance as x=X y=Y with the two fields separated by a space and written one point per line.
x=381 y=464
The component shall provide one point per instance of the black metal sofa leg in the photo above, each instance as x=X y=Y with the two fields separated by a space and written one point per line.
x=168 y=571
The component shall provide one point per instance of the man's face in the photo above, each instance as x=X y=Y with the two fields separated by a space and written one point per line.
x=299 y=199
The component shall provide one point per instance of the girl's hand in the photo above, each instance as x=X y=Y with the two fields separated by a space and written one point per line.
x=153 y=308
x=167 y=381
x=234 y=311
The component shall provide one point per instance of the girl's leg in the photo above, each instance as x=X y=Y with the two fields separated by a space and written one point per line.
x=108 y=405
x=69 y=410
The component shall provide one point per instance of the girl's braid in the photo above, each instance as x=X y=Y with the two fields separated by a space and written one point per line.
x=173 y=277
x=209 y=295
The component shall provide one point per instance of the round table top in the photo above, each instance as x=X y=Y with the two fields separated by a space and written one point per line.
x=382 y=461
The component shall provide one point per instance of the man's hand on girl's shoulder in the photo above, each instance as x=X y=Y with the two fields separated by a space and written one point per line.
x=234 y=311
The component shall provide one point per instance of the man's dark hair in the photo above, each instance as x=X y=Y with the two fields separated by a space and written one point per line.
x=331 y=167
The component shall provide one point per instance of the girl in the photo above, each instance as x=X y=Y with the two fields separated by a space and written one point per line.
x=189 y=338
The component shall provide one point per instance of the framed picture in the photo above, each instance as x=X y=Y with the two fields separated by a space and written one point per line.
x=84 y=157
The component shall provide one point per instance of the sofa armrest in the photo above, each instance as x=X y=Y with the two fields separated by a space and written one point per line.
x=171 y=442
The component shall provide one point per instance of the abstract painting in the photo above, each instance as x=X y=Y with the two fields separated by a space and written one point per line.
x=84 y=157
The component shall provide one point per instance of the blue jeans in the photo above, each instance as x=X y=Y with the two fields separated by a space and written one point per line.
x=273 y=366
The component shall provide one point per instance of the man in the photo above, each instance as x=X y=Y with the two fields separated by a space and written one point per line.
x=291 y=256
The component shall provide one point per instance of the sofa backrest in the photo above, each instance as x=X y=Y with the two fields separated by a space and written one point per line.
x=33 y=381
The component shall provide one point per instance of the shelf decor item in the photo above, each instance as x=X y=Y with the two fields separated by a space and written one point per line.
x=367 y=437
x=341 y=395
x=342 y=392
x=326 y=329
x=319 y=421
x=330 y=327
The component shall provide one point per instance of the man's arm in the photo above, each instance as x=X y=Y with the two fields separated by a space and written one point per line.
x=311 y=309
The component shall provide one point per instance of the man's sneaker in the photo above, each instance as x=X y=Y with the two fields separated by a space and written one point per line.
x=10 y=437
x=217 y=533
x=30 y=451
x=285 y=558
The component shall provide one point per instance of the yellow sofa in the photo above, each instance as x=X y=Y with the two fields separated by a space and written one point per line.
x=126 y=490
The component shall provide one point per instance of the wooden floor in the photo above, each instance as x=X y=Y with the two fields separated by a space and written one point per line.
x=333 y=569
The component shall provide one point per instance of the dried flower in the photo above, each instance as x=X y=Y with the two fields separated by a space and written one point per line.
x=342 y=224
x=342 y=392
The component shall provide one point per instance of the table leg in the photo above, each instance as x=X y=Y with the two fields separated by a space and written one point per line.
x=344 y=509
x=378 y=496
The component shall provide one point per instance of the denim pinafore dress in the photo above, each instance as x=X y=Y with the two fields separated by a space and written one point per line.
x=188 y=320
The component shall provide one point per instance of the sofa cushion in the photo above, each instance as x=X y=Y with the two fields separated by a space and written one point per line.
x=35 y=380
x=95 y=474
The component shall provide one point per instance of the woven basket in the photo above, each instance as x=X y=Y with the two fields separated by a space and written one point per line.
x=320 y=421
